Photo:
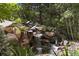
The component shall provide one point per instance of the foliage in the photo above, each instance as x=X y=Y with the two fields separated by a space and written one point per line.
x=74 y=53
x=25 y=12
x=21 y=51
x=4 y=45
x=64 y=18
x=68 y=52
x=8 y=10
x=18 y=20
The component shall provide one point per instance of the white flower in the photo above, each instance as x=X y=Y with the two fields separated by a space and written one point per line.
x=65 y=42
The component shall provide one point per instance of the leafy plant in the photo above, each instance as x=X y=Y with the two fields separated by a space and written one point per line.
x=21 y=51
x=18 y=20
x=67 y=52
x=74 y=53
x=8 y=10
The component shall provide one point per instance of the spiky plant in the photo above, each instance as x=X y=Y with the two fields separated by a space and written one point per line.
x=21 y=51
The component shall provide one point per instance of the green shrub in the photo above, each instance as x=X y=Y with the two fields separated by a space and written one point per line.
x=20 y=51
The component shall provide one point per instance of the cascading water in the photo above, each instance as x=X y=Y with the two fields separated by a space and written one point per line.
x=53 y=49
x=38 y=41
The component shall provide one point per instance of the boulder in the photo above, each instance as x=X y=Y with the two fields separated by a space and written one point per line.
x=6 y=23
x=50 y=34
x=12 y=37
x=8 y=29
